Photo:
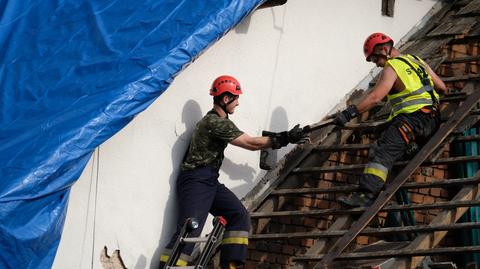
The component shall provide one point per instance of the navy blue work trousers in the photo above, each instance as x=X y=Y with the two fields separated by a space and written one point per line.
x=200 y=193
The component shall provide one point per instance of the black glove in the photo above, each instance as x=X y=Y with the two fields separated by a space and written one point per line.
x=295 y=135
x=278 y=139
x=298 y=135
x=346 y=115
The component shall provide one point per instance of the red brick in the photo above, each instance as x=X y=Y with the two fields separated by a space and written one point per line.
x=323 y=204
x=287 y=249
x=324 y=184
x=419 y=217
x=435 y=192
x=328 y=176
x=428 y=200
x=309 y=222
x=438 y=173
x=258 y=256
x=362 y=240
x=427 y=171
x=307 y=242
x=303 y=201
x=423 y=191
x=417 y=198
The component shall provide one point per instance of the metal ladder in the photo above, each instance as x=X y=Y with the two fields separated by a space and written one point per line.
x=210 y=241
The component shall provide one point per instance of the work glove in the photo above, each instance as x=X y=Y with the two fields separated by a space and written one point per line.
x=298 y=135
x=341 y=118
x=281 y=139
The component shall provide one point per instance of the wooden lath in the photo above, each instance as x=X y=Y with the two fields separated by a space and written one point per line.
x=369 y=231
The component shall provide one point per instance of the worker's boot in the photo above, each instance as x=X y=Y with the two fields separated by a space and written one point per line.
x=357 y=199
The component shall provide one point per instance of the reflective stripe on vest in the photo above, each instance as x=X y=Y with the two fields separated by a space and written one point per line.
x=415 y=95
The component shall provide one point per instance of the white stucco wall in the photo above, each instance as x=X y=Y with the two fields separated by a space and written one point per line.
x=295 y=63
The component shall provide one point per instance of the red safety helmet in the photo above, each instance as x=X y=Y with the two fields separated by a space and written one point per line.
x=373 y=40
x=224 y=84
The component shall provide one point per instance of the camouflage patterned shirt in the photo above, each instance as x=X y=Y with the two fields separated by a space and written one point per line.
x=209 y=140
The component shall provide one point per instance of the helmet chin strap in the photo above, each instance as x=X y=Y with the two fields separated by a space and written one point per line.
x=224 y=106
x=389 y=54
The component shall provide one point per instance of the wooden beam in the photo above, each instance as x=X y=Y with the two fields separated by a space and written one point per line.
x=461 y=78
x=368 y=231
x=360 y=210
x=465 y=59
x=398 y=253
x=351 y=188
x=353 y=167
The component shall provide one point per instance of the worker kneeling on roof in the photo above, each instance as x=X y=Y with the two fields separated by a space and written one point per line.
x=409 y=84
x=199 y=191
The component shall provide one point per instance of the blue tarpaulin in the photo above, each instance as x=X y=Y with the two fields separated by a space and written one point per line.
x=72 y=74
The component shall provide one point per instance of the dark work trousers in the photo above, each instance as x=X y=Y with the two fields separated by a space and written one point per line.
x=200 y=193
x=392 y=146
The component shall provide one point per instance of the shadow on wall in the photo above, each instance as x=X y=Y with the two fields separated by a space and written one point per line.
x=278 y=123
x=191 y=114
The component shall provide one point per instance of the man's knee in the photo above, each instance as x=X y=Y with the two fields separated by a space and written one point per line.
x=371 y=183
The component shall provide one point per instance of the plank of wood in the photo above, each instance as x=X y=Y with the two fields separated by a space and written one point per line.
x=437 y=183
x=360 y=210
x=368 y=231
x=399 y=253
x=353 y=167
x=471 y=9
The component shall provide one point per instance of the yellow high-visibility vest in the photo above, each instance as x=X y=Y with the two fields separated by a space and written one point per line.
x=416 y=94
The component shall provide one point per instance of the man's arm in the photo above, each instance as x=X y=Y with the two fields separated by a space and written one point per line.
x=252 y=143
x=379 y=91
x=438 y=84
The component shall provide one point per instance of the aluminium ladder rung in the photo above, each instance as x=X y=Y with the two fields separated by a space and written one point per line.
x=195 y=239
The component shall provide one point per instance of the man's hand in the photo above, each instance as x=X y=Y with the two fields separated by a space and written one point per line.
x=298 y=135
x=341 y=118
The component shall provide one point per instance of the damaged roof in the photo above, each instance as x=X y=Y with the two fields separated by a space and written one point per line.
x=296 y=220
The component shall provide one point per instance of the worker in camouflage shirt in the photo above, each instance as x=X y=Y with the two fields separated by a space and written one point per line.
x=198 y=189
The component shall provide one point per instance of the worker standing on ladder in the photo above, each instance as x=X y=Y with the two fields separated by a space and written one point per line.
x=409 y=83
x=198 y=189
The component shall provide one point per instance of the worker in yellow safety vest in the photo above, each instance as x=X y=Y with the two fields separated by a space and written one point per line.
x=410 y=86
